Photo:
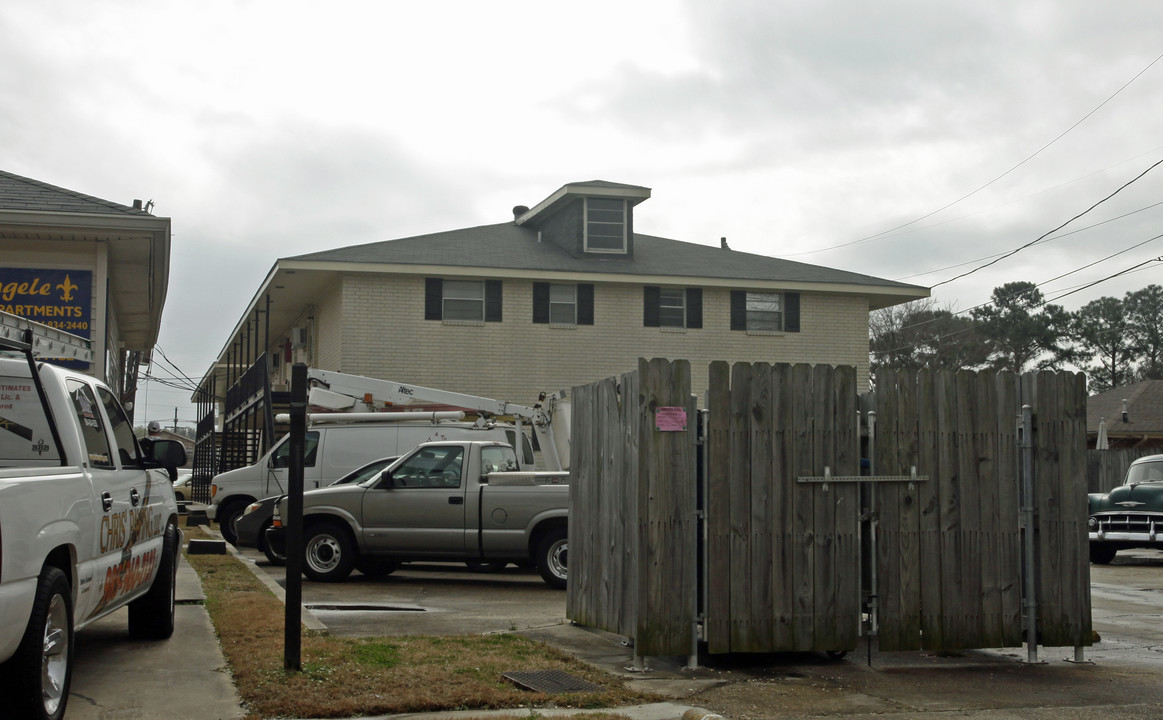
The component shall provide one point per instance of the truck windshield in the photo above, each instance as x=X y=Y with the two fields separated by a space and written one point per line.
x=280 y=458
x=1145 y=473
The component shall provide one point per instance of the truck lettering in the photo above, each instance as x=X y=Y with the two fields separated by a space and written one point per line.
x=126 y=576
x=113 y=531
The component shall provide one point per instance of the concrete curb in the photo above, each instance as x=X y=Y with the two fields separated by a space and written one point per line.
x=309 y=621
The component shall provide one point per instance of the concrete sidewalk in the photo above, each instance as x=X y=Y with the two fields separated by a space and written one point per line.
x=183 y=677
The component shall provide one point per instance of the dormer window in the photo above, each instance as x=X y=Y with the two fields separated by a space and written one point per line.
x=605 y=225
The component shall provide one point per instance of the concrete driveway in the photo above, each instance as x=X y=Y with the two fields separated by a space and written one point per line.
x=428 y=598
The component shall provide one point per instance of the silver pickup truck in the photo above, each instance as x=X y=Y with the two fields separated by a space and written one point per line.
x=454 y=501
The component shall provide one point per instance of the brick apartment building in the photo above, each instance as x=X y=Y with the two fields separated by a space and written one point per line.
x=560 y=294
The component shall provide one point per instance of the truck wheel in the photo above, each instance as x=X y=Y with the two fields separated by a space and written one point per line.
x=328 y=553
x=36 y=679
x=375 y=567
x=226 y=516
x=1102 y=553
x=552 y=558
x=273 y=557
x=151 y=616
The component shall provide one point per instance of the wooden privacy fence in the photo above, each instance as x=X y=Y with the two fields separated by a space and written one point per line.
x=757 y=553
x=632 y=525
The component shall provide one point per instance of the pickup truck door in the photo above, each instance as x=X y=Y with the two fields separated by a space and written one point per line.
x=128 y=505
x=421 y=512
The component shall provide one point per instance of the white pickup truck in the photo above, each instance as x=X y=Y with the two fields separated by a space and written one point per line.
x=88 y=522
x=460 y=501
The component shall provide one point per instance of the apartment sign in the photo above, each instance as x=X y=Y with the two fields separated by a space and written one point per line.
x=58 y=298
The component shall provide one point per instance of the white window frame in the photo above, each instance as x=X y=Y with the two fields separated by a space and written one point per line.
x=760 y=314
x=668 y=305
x=602 y=222
x=457 y=296
x=566 y=309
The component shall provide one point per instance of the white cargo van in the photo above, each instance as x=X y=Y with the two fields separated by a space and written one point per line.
x=336 y=445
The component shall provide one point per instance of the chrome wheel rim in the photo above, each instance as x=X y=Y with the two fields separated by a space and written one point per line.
x=558 y=559
x=323 y=553
x=54 y=658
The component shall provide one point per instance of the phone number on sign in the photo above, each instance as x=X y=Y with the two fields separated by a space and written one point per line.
x=66 y=325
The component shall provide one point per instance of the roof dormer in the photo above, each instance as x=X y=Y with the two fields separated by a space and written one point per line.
x=594 y=218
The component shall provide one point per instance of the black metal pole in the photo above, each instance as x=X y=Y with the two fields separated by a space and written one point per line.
x=294 y=519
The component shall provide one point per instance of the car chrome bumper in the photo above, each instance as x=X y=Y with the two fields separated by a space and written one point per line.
x=1147 y=537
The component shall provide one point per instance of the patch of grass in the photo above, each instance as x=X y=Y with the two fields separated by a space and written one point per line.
x=345 y=677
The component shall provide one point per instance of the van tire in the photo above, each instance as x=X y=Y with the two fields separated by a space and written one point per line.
x=328 y=552
x=553 y=558
x=23 y=676
x=226 y=515
x=151 y=616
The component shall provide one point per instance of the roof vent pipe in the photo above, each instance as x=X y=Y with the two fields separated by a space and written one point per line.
x=723 y=243
x=1125 y=418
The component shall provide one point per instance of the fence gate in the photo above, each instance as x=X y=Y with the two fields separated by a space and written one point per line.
x=731 y=536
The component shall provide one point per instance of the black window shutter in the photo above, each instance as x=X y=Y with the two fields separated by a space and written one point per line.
x=651 y=299
x=585 y=304
x=540 y=302
x=738 y=310
x=433 y=298
x=791 y=317
x=694 y=307
x=492 y=301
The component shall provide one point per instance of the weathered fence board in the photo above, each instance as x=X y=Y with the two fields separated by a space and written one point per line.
x=1063 y=569
x=718 y=581
x=784 y=568
x=666 y=513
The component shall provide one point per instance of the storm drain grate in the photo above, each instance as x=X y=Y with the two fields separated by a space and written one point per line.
x=363 y=608
x=550 y=681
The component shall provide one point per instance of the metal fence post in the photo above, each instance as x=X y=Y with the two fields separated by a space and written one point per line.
x=1030 y=580
x=294 y=520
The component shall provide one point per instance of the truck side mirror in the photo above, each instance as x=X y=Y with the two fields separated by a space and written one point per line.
x=167 y=453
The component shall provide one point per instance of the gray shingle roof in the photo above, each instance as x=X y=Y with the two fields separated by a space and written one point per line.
x=507 y=246
x=21 y=193
x=1144 y=409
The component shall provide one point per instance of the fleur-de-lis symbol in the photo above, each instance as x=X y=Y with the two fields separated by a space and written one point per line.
x=67 y=288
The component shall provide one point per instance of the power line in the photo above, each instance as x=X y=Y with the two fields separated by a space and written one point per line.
x=1050 y=232
x=999 y=177
x=1051 y=239
x=1045 y=301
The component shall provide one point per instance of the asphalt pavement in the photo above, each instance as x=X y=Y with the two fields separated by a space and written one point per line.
x=1122 y=679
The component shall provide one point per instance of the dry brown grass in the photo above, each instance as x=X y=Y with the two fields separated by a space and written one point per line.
x=344 y=677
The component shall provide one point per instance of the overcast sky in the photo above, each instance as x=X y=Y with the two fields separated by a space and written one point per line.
x=907 y=139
